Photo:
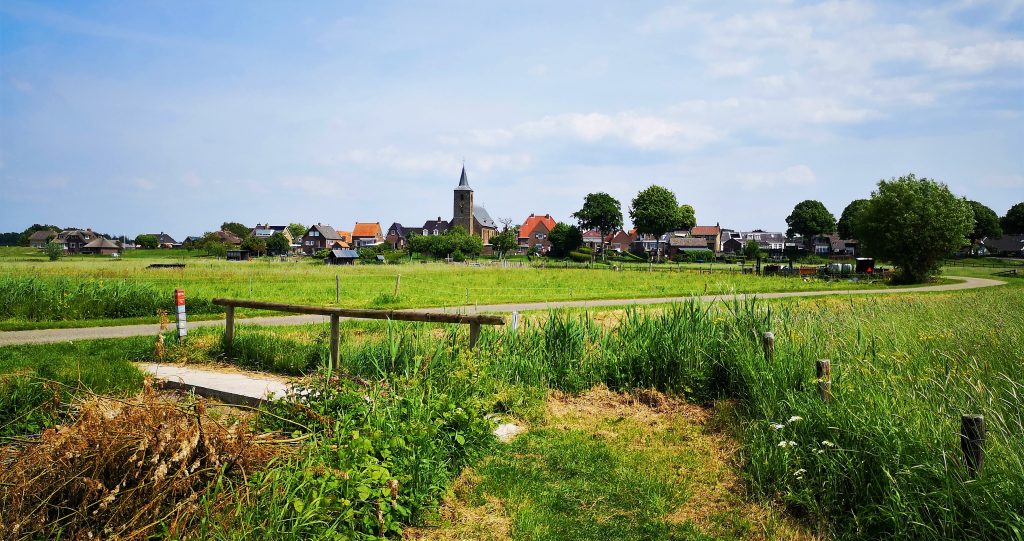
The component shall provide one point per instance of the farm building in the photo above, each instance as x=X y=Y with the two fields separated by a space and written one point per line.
x=341 y=256
x=40 y=239
x=102 y=246
x=238 y=255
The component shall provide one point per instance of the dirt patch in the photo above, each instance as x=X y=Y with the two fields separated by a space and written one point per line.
x=121 y=468
x=646 y=404
x=488 y=521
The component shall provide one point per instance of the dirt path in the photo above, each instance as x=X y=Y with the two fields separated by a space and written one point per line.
x=89 y=333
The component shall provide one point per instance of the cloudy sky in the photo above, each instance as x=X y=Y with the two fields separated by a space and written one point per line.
x=134 y=117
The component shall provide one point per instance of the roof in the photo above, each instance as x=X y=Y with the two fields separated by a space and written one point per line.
x=687 y=242
x=592 y=234
x=344 y=236
x=464 y=181
x=101 y=242
x=706 y=230
x=45 y=234
x=439 y=224
x=325 y=231
x=163 y=238
x=344 y=254
x=397 y=229
x=228 y=237
x=531 y=223
x=366 y=229
x=483 y=217
x=1005 y=243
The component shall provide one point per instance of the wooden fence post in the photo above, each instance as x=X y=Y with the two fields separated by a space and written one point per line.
x=398 y=284
x=229 y=328
x=334 y=342
x=474 y=334
x=768 y=342
x=972 y=442
x=824 y=370
x=337 y=289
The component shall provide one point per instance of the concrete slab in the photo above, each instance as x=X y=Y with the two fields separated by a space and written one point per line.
x=227 y=387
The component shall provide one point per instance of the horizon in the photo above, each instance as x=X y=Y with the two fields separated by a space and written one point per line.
x=143 y=118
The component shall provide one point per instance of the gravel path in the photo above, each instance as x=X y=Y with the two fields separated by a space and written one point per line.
x=88 y=333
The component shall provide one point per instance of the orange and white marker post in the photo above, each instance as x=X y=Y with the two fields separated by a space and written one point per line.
x=179 y=300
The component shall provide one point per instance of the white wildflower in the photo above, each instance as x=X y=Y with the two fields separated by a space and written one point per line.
x=785 y=443
x=827 y=443
x=799 y=473
x=778 y=426
x=795 y=419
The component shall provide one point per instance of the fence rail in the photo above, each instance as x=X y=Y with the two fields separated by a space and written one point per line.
x=474 y=321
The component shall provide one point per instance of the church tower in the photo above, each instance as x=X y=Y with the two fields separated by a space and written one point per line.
x=463 y=197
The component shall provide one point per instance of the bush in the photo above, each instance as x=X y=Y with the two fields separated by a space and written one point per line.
x=579 y=257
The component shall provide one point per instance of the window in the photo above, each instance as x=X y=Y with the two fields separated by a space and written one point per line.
x=435 y=232
x=426 y=232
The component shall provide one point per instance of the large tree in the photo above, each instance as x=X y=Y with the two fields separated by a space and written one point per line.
x=238 y=229
x=850 y=216
x=504 y=242
x=278 y=244
x=297 y=230
x=1013 y=222
x=655 y=211
x=601 y=212
x=564 y=238
x=986 y=222
x=146 y=241
x=254 y=244
x=687 y=217
x=915 y=223
x=810 y=218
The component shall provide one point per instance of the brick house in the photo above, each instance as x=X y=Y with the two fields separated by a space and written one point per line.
x=435 y=227
x=534 y=233
x=621 y=240
x=712 y=235
x=320 y=237
x=592 y=239
x=76 y=239
x=367 y=234
x=397 y=236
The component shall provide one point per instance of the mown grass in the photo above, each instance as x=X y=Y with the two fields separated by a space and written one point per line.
x=308 y=282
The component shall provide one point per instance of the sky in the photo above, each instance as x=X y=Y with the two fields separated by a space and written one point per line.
x=137 y=117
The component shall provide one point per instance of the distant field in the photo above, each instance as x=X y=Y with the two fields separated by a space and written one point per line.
x=361 y=286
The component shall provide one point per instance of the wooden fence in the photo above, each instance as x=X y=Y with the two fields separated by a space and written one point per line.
x=474 y=321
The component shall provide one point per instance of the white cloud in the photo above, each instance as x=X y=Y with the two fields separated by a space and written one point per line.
x=797 y=175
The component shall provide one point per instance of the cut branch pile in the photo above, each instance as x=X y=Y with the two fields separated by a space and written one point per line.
x=120 y=470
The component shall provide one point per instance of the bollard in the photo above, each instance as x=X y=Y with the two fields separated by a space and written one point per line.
x=972 y=442
x=515 y=320
x=824 y=370
x=768 y=342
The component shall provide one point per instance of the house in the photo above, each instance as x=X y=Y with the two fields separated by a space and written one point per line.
x=733 y=245
x=76 y=239
x=341 y=256
x=320 y=237
x=436 y=227
x=367 y=234
x=682 y=243
x=592 y=239
x=163 y=240
x=645 y=244
x=397 y=237
x=346 y=239
x=712 y=234
x=1006 y=245
x=40 y=239
x=534 y=233
x=228 y=238
x=471 y=217
x=621 y=240
x=265 y=231
x=827 y=245
x=102 y=246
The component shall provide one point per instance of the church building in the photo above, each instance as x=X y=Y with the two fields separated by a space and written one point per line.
x=472 y=218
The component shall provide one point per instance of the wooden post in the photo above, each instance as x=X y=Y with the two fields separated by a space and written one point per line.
x=334 y=342
x=398 y=284
x=972 y=442
x=229 y=329
x=467 y=295
x=337 y=289
x=474 y=334
x=824 y=369
x=768 y=342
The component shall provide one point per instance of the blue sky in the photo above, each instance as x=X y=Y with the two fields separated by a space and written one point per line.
x=133 y=117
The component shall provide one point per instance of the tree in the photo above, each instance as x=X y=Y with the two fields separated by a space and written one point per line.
x=504 y=242
x=146 y=241
x=297 y=230
x=212 y=244
x=687 y=217
x=236 y=228
x=1013 y=222
x=255 y=245
x=915 y=223
x=810 y=218
x=601 y=212
x=986 y=222
x=9 y=239
x=851 y=214
x=54 y=250
x=564 y=239
x=278 y=244
x=655 y=211
x=23 y=238
x=751 y=250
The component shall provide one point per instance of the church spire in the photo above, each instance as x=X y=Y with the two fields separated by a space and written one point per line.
x=463 y=181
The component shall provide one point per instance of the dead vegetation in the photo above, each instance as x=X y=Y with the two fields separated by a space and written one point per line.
x=121 y=469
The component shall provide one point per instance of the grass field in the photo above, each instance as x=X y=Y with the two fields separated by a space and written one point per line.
x=35 y=293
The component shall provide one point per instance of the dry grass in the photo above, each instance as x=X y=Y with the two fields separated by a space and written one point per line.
x=120 y=469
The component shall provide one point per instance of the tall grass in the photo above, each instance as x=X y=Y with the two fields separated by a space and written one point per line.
x=57 y=299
